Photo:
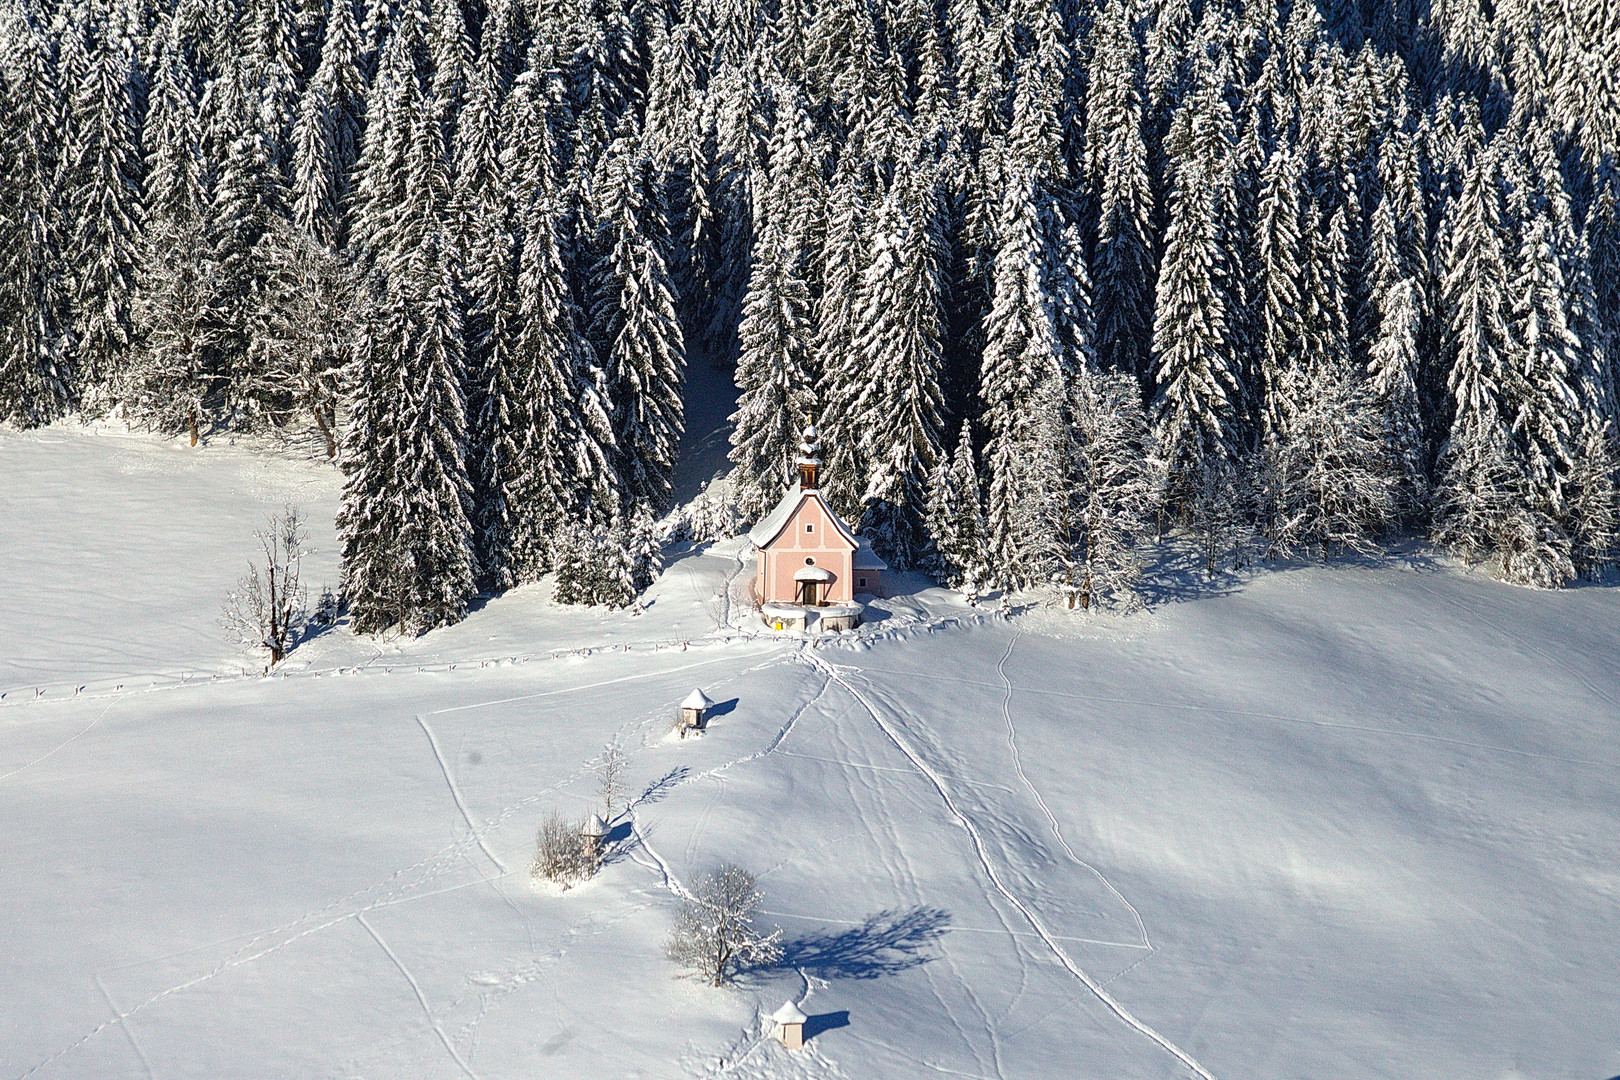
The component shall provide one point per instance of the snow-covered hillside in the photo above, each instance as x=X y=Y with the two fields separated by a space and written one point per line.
x=1351 y=822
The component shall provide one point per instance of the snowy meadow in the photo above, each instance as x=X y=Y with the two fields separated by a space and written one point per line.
x=1354 y=820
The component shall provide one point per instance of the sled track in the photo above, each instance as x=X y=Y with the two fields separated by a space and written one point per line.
x=836 y=674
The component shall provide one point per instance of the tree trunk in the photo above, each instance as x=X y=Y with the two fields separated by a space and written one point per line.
x=193 y=419
x=326 y=425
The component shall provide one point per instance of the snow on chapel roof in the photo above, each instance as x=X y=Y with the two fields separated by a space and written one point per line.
x=697 y=699
x=772 y=524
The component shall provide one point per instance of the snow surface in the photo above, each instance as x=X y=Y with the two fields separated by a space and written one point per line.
x=1346 y=821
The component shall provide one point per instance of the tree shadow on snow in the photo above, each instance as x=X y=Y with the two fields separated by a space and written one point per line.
x=663 y=785
x=887 y=943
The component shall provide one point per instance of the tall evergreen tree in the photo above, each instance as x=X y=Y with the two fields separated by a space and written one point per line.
x=1117 y=171
x=106 y=173
x=898 y=327
x=37 y=378
x=634 y=316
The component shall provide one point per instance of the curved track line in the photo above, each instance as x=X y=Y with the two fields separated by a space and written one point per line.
x=434 y=1024
x=62 y=745
x=455 y=793
x=982 y=851
x=1051 y=819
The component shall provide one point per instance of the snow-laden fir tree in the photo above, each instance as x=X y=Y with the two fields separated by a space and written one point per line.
x=897 y=332
x=559 y=463
x=956 y=516
x=1117 y=171
x=105 y=173
x=37 y=380
x=1281 y=323
x=843 y=371
x=1023 y=385
x=633 y=314
x=1394 y=356
x=1114 y=485
x=1483 y=508
x=326 y=135
x=249 y=197
x=772 y=371
x=405 y=520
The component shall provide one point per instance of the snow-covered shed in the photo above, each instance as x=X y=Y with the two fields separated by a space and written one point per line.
x=788 y=1022
x=805 y=554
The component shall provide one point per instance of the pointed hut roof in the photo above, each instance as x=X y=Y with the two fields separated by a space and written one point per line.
x=697 y=699
x=789 y=1013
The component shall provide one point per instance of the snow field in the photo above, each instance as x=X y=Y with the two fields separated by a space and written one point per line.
x=1345 y=821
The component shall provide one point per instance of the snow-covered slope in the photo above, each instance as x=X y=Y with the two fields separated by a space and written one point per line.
x=1347 y=821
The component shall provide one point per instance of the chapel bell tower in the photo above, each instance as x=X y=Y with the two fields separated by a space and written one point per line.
x=809 y=462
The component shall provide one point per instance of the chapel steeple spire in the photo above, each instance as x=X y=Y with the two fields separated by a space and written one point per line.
x=809 y=462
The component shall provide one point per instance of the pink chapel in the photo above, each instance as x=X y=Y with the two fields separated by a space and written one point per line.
x=810 y=564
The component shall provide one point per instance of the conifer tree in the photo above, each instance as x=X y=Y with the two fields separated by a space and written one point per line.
x=1023 y=386
x=37 y=378
x=1394 y=355
x=634 y=314
x=106 y=172
x=956 y=516
x=898 y=327
x=326 y=136
x=1196 y=407
x=1281 y=328
x=1117 y=170
x=842 y=365
x=772 y=372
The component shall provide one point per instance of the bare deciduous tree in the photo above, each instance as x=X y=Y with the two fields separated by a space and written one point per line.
x=266 y=610
x=610 y=778
x=714 y=935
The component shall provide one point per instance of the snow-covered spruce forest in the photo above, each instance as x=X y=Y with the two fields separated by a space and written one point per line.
x=1290 y=278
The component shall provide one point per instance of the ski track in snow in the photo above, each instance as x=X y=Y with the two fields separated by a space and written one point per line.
x=128 y=1034
x=981 y=850
x=417 y=989
x=455 y=793
x=62 y=745
x=1018 y=766
x=401 y=890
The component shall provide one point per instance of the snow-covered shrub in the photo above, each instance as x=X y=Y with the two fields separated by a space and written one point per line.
x=266 y=610
x=1330 y=480
x=562 y=852
x=1483 y=515
x=594 y=566
x=714 y=936
x=712 y=515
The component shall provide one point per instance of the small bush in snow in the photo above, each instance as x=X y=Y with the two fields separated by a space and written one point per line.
x=714 y=936
x=266 y=609
x=562 y=853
